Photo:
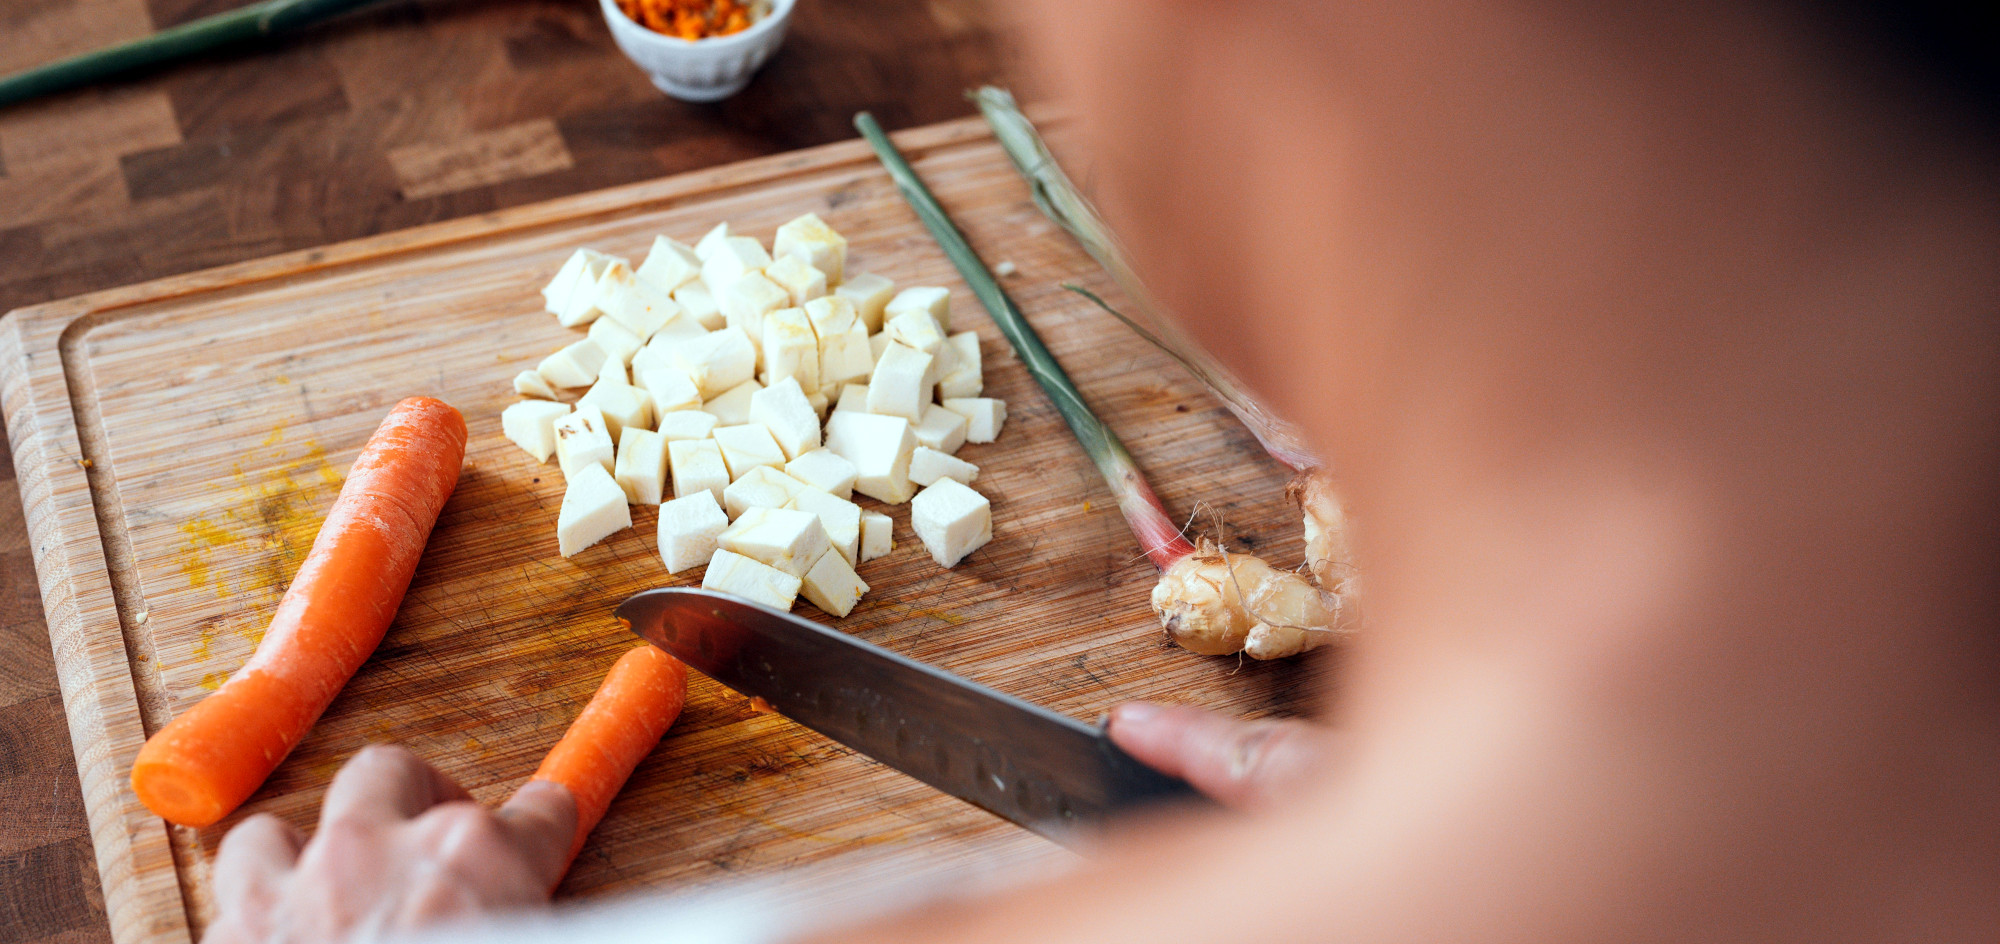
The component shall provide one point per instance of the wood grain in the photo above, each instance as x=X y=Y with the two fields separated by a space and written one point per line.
x=177 y=443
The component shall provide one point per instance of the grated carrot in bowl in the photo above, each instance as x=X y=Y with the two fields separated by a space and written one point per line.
x=694 y=19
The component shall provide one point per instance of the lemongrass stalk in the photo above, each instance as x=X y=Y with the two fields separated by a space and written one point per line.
x=1150 y=523
x=1062 y=202
x=188 y=39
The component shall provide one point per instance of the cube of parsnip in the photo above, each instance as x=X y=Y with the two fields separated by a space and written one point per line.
x=622 y=404
x=877 y=344
x=669 y=390
x=852 y=397
x=965 y=379
x=952 y=520
x=531 y=425
x=762 y=488
x=983 y=417
x=809 y=239
x=670 y=265
x=825 y=470
x=839 y=517
x=798 y=278
x=583 y=439
x=748 y=446
x=790 y=349
x=832 y=585
x=613 y=372
x=879 y=447
x=789 y=540
x=528 y=383
x=686 y=424
x=927 y=465
x=732 y=573
x=745 y=304
x=641 y=469
x=783 y=409
x=817 y=399
x=736 y=256
x=697 y=466
x=625 y=298
x=870 y=293
x=679 y=328
x=845 y=357
x=831 y=314
x=699 y=303
x=716 y=361
x=688 y=528
x=711 y=242
x=574 y=366
x=593 y=508
x=940 y=429
x=732 y=408
x=934 y=301
x=572 y=295
x=901 y=384
x=618 y=341
x=916 y=329
x=877 y=535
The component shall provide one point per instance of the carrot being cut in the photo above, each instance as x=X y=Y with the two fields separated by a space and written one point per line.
x=206 y=762
x=640 y=698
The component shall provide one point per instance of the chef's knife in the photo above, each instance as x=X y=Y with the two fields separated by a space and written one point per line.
x=1044 y=771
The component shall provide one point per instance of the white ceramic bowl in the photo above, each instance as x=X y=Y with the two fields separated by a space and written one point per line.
x=702 y=70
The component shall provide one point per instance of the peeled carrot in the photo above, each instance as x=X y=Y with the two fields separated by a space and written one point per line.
x=640 y=698
x=206 y=762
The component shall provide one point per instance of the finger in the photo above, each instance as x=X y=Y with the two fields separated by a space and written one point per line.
x=255 y=855
x=1240 y=764
x=386 y=783
x=541 y=816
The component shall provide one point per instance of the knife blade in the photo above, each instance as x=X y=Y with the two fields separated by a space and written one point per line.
x=1043 y=771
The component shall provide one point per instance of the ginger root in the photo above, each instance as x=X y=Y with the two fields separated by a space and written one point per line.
x=1215 y=603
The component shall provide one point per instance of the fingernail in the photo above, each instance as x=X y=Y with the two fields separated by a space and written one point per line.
x=1135 y=712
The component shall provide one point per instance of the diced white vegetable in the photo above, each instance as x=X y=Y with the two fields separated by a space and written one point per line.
x=900 y=385
x=622 y=404
x=686 y=424
x=879 y=447
x=618 y=341
x=870 y=293
x=641 y=469
x=831 y=314
x=670 y=265
x=625 y=298
x=789 y=540
x=528 y=383
x=844 y=354
x=697 y=466
x=699 y=303
x=652 y=357
x=732 y=408
x=940 y=429
x=877 y=535
x=839 y=517
x=832 y=585
x=916 y=329
x=809 y=239
x=669 y=390
x=852 y=397
x=745 y=304
x=927 y=465
x=688 y=528
x=711 y=242
x=983 y=417
x=582 y=440
x=736 y=256
x=613 y=372
x=1005 y=268
x=574 y=366
x=783 y=409
x=716 y=361
x=790 y=349
x=965 y=378
x=747 y=447
x=761 y=488
x=817 y=399
x=798 y=278
x=572 y=295
x=878 y=343
x=593 y=508
x=952 y=520
x=935 y=302
x=732 y=573
x=825 y=470
x=531 y=425
x=681 y=327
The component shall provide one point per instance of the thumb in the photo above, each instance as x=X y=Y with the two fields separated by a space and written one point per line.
x=541 y=816
x=1240 y=764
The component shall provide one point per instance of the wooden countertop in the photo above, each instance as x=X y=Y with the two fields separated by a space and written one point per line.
x=412 y=112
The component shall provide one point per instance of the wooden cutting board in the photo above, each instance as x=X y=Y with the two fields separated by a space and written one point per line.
x=177 y=443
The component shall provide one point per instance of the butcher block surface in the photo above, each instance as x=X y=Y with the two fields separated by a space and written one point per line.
x=178 y=443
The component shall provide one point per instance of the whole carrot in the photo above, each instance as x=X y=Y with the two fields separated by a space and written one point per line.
x=206 y=762
x=640 y=698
